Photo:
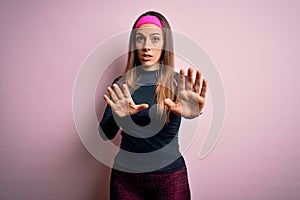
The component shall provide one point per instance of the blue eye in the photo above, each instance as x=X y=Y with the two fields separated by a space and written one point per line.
x=155 y=39
x=139 y=39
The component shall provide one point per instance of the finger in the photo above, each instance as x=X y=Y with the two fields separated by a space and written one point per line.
x=204 y=88
x=172 y=105
x=126 y=91
x=108 y=101
x=141 y=106
x=189 y=82
x=181 y=80
x=112 y=94
x=197 y=82
x=118 y=91
x=169 y=103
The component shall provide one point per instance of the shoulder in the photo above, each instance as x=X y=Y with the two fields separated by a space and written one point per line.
x=119 y=80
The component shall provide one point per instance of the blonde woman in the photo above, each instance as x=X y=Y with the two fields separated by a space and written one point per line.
x=147 y=103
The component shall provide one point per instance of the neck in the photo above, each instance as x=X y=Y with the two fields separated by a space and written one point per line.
x=151 y=68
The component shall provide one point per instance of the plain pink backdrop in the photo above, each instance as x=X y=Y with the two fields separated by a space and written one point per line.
x=254 y=44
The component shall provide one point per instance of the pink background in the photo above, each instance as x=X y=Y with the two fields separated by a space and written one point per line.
x=254 y=44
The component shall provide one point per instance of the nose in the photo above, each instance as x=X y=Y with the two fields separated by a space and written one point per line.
x=147 y=44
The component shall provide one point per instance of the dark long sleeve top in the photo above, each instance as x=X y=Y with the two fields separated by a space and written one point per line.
x=148 y=143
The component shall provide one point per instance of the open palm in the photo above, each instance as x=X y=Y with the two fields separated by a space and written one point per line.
x=190 y=99
x=122 y=103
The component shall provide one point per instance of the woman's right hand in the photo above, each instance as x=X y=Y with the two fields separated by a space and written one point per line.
x=122 y=103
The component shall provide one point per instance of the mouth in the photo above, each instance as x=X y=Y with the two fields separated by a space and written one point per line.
x=146 y=57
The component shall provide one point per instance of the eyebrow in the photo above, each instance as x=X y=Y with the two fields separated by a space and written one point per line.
x=155 y=34
x=150 y=34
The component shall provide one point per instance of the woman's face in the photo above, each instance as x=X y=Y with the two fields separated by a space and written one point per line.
x=149 y=43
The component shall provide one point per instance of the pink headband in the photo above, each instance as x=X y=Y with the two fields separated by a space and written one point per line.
x=149 y=19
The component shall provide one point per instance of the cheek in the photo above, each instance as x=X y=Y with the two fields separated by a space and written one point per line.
x=158 y=53
x=138 y=46
x=139 y=52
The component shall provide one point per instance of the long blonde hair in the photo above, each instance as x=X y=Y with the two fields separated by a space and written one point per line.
x=165 y=86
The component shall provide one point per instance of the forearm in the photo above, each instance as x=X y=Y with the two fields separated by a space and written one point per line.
x=108 y=127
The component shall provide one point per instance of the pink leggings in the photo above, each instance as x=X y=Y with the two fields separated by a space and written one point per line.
x=138 y=186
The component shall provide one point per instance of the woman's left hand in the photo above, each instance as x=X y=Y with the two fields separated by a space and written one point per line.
x=190 y=99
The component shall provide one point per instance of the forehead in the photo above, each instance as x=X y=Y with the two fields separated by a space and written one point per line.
x=148 y=29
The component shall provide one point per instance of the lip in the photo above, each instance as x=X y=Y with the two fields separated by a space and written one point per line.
x=146 y=57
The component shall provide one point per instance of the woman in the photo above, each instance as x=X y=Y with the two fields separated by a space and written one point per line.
x=147 y=103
